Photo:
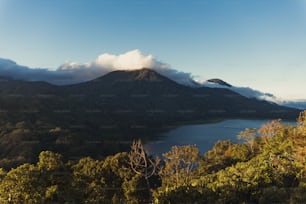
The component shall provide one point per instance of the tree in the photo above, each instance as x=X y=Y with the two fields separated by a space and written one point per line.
x=240 y=152
x=88 y=180
x=116 y=171
x=299 y=151
x=301 y=120
x=223 y=154
x=135 y=190
x=55 y=178
x=142 y=164
x=50 y=161
x=270 y=129
x=180 y=164
x=249 y=136
x=22 y=185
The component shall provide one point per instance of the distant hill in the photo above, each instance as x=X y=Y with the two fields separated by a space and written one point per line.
x=295 y=104
x=252 y=93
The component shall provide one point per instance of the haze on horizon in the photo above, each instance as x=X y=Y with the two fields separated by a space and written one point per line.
x=260 y=44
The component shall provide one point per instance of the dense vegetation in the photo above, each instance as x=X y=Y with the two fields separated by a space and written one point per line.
x=268 y=167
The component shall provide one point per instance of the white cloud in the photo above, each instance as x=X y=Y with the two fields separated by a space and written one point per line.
x=131 y=60
x=128 y=61
x=74 y=72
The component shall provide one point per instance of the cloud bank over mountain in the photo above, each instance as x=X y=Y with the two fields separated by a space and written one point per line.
x=244 y=91
x=128 y=61
x=74 y=72
x=252 y=93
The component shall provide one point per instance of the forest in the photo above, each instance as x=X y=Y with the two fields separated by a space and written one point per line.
x=268 y=166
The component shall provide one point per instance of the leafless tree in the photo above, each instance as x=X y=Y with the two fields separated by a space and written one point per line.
x=142 y=164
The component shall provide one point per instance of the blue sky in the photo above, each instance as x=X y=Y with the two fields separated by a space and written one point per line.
x=256 y=43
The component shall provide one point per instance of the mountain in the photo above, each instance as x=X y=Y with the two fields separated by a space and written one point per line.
x=247 y=92
x=220 y=82
x=299 y=104
x=101 y=116
x=131 y=97
x=252 y=93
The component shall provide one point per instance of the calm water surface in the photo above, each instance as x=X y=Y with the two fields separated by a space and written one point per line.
x=203 y=135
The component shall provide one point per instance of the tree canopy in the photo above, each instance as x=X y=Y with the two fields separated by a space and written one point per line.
x=268 y=167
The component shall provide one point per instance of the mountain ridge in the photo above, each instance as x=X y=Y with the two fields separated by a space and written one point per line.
x=138 y=91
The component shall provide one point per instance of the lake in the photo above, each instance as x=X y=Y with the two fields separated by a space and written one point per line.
x=203 y=135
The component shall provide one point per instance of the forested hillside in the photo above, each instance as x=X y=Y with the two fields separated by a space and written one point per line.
x=269 y=167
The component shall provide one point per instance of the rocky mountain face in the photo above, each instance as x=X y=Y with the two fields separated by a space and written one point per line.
x=220 y=82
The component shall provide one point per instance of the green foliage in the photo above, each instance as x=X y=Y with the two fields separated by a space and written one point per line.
x=22 y=185
x=220 y=157
x=240 y=153
x=184 y=194
x=56 y=177
x=50 y=161
x=179 y=166
x=135 y=190
x=268 y=168
x=116 y=171
x=88 y=180
x=46 y=182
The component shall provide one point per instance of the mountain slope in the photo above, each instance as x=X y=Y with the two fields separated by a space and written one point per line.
x=143 y=91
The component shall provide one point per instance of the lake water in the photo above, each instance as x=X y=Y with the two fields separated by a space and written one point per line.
x=203 y=135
